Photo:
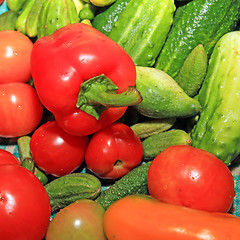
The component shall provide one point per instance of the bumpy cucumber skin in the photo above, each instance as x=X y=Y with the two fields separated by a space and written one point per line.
x=156 y=143
x=197 y=22
x=105 y=20
x=193 y=71
x=142 y=28
x=162 y=96
x=56 y=14
x=218 y=127
x=8 y=20
x=69 y=188
x=132 y=183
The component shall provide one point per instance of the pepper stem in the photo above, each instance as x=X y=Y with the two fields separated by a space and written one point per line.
x=99 y=93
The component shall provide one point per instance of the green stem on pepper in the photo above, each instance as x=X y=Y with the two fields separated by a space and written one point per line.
x=99 y=93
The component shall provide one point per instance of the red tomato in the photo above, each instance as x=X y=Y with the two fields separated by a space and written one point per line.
x=191 y=177
x=8 y=158
x=55 y=151
x=82 y=219
x=20 y=109
x=25 y=207
x=113 y=151
x=15 y=52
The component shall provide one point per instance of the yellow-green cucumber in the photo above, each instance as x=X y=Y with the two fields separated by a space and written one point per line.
x=218 y=127
x=132 y=183
x=8 y=20
x=72 y=187
x=156 y=143
x=197 y=22
x=193 y=71
x=153 y=126
x=15 y=5
x=162 y=96
x=142 y=27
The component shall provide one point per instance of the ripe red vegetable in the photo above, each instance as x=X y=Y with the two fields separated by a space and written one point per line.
x=191 y=177
x=8 y=158
x=113 y=151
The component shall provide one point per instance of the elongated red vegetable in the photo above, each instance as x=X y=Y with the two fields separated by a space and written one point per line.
x=140 y=217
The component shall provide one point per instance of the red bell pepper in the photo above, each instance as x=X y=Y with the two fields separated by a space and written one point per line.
x=84 y=78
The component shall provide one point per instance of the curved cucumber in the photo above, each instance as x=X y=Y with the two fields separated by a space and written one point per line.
x=197 y=22
x=218 y=127
x=8 y=20
x=162 y=96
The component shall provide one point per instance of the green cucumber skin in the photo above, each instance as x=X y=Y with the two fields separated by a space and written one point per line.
x=8 y=20
x=104 y=21
x=132 y=183
x=156 y=143
x=67 y=189
x=162 y=96
x=142 y=27
x=197 y=22
x=218 y=127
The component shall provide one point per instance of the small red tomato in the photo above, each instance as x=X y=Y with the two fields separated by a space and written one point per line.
x=191 y=177
x=82 y=219
x=15 y=52
x=20 y=109
x=55 y=151
x=113 y=151
x=25 y=207
x=8 y=158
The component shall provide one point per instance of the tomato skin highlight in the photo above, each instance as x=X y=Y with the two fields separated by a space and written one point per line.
x=15 y=53
x=140 y=217
x=82 y=219
x=56 y=152
x=8 y=158
x=113 y=151
x=191 y=177
x=24 y=207
x=20 y=109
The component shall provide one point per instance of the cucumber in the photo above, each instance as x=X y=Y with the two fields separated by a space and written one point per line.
x=162 y=96
x=105 y=20
x=218 y=127
x=197 y=22
x=8 y=19
x=193 y=71
x=132 y=183
x=156 y=143
x=15 y=5
x=71 y=187
x=153 y=126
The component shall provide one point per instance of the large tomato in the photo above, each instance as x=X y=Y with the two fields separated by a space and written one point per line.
x=20 y=109
x=24 y=205
x=82 y=219
x=15 y=52
x=8 y=158
x=191 y=177
x=55 y=151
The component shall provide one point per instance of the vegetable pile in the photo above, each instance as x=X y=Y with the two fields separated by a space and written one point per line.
x=125 y=116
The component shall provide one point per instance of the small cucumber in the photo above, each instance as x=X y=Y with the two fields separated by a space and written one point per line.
x=87 y=12
x=156 y=143
x=153 y=126
x=193 y=71
x=132 y=183
x=8 y=20
x=15 y=5
x=71 y=187
x=162 y=96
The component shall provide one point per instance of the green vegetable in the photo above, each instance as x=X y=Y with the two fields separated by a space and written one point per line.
x=152 y=126
x=8 y=19
x=87 y=12
x=162 y=96
x=15 y=5
x=71 y=187
x=197 y=22
x=193 y=71
x=217 y=130
x=132 y=183
x=156 y=143
x=142 y=27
